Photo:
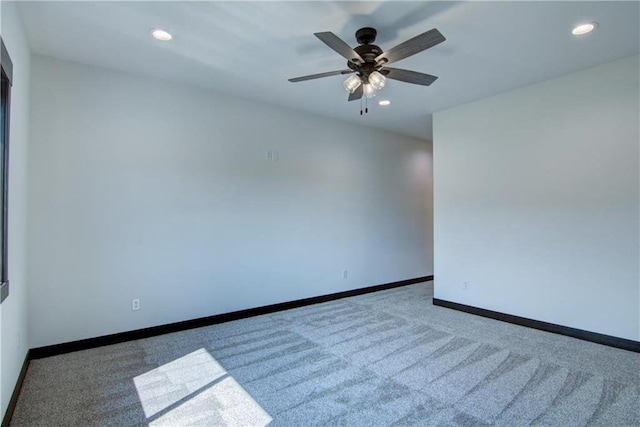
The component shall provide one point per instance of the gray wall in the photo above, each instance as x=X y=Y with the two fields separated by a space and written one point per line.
x=142 y=188
x=13 y=311
x=537 y=201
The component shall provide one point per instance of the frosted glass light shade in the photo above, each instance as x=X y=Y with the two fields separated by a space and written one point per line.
x=369 y=91
x=377 y=80
x=352 y=83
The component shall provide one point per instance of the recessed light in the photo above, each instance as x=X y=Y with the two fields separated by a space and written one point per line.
x=161 y=35
x=581 y=29
x=384 y=102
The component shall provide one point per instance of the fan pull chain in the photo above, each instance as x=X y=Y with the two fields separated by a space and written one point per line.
x=366 y=105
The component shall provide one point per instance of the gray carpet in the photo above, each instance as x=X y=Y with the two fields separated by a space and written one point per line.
x=386 y=358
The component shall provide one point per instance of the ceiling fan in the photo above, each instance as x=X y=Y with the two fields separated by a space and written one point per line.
x=368 y=63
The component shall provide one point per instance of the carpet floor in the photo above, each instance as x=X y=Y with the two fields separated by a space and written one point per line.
x=388 y=358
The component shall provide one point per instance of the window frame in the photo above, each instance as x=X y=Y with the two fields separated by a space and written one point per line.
x=6 y=81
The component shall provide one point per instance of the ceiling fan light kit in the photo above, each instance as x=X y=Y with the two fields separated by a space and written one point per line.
x=367 y=63
x=352 y=83
x=377 y=80
x=369 y=91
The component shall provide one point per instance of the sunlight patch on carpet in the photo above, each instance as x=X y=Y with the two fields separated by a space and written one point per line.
x=196 y=389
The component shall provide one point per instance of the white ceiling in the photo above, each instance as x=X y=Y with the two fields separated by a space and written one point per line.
x=250 y=48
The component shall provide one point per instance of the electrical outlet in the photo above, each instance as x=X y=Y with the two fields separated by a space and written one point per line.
x=466 y=286
x=135 y=304
x=345 y=274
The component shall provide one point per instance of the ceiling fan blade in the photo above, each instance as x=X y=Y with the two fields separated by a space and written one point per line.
x=320 y=75
x=411 y=47
x=340 y=46
x=357 y=94
x=408 y=76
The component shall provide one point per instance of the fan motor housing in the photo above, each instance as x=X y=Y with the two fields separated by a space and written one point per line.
x=368 y=52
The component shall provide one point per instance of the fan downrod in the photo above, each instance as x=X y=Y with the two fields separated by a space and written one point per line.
x=366 y=35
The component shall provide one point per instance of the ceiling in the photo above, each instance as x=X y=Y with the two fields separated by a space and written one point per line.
x=250 y=49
